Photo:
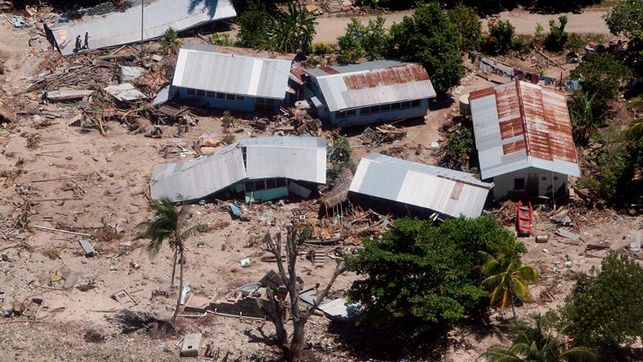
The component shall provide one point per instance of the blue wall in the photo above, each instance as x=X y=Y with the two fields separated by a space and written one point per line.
x=247 y=104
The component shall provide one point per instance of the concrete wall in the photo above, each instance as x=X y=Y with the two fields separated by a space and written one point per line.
x=505 y=184
x=213 y=100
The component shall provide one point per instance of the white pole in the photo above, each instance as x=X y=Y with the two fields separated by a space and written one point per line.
x=142 y=6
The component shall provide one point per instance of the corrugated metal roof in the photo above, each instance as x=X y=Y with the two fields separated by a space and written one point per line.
x=200 y=177
x=519 y=125
x=372 y=83
x=119 y=28
x=297 y=158
x=211 y=70
x=439 y=189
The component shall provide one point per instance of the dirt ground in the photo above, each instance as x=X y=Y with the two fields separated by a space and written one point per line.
x=330 y=27
x=96 y=184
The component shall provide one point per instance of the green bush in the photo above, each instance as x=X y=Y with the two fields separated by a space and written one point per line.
x=500 y=38
x=361 y=40
x=456 y=151
x=170 y=41
x=222 y=39
x=601 y=77
x=605 y=309
x=322 y=48
x=422 y=273
x=557 y=37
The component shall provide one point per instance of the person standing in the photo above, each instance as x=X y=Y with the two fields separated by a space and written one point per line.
x=86 y=45
x=78 y=46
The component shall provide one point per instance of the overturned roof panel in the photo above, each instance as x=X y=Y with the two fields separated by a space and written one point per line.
x=200 y=177
x=223 y=70
x=117 y=28
x=446 y=191
x=372 y=84
x=519 y=125
x=296 y=158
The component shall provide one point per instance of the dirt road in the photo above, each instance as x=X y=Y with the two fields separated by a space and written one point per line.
x=329 y=28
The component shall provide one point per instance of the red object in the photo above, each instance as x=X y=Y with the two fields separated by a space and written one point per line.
x=523 y=219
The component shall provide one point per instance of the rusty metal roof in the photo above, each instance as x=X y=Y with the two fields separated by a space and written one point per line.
x=361 y=85
x=519 y=125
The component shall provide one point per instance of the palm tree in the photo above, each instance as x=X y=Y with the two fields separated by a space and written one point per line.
x=291 y=32
x=583 y=112
x=506 y=276
x=537 y=345
x=169 y=224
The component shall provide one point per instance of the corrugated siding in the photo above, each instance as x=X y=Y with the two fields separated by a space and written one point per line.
x=234 y=74
x=363 y=88
x=544 y=139
x=200 y=177
x=302 y=164
x=125 y=27
x=446 y=191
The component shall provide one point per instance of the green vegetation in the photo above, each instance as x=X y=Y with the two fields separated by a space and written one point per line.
x=428 y=37
x=626 y=18
x=422 y=273
x=222 y=39
x=340 y=158
x=286 y=32
x=170 y=41
x=459 y=146
x=292 y=31
x=557 y=37
x=537 y=343
x=602 y=76
x=169 y=224
x=467 y=24
x=500 y=39
x=506 y=277
x=604 y=310
x=359 y=41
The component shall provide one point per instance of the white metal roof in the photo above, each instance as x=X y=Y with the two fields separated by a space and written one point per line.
x=518 y=125
x=124 y=27
x=446 y=191
x=206 y=69
x=296 y=158
x=366 y=85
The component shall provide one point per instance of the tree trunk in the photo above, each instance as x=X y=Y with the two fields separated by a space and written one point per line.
x=298 y=340
x=513 y=308
x=178 y=299
x=173 y=269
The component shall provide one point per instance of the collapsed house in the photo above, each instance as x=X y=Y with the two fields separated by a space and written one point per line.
x=235 y=79
x=124 y=27
x=523 y=135
x=419 y=188
x=263 y=168
x=371 y=92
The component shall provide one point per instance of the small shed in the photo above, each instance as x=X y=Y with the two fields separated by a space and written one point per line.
x=371 y=92
x=447 y=192
x=524 y=140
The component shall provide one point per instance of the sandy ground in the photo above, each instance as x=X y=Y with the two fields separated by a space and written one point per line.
x=106 y=190
x=329 y=28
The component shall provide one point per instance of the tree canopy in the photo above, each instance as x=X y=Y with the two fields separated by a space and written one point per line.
x=605 y=309
x=428 y=37
x=626 y=18
x=467 y=24
x=602 y=77
x=425 y=273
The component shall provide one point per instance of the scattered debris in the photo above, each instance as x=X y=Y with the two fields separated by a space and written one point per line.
x=124 y=298
x=567 y=234
x=125 y=92
x=87 y=247
x=66 y=94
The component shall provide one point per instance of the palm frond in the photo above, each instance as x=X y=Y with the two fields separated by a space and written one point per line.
x=579 y=354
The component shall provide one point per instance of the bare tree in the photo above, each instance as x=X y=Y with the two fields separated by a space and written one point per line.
x=279 y=306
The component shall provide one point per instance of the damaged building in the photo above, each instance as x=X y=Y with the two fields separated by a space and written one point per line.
x=418 y=188
x=236 y=79
x=261 y=169
x=523 y=136
x=121 y=27
x=371 y=92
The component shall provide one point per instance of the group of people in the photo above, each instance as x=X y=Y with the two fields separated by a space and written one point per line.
x=84 y=45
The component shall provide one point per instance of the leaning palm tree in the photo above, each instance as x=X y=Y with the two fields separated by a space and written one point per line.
x=535 y=344
x=169 y=224
x=507 y=278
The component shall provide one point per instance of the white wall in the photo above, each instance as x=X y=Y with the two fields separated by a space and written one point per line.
x=504 y=184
